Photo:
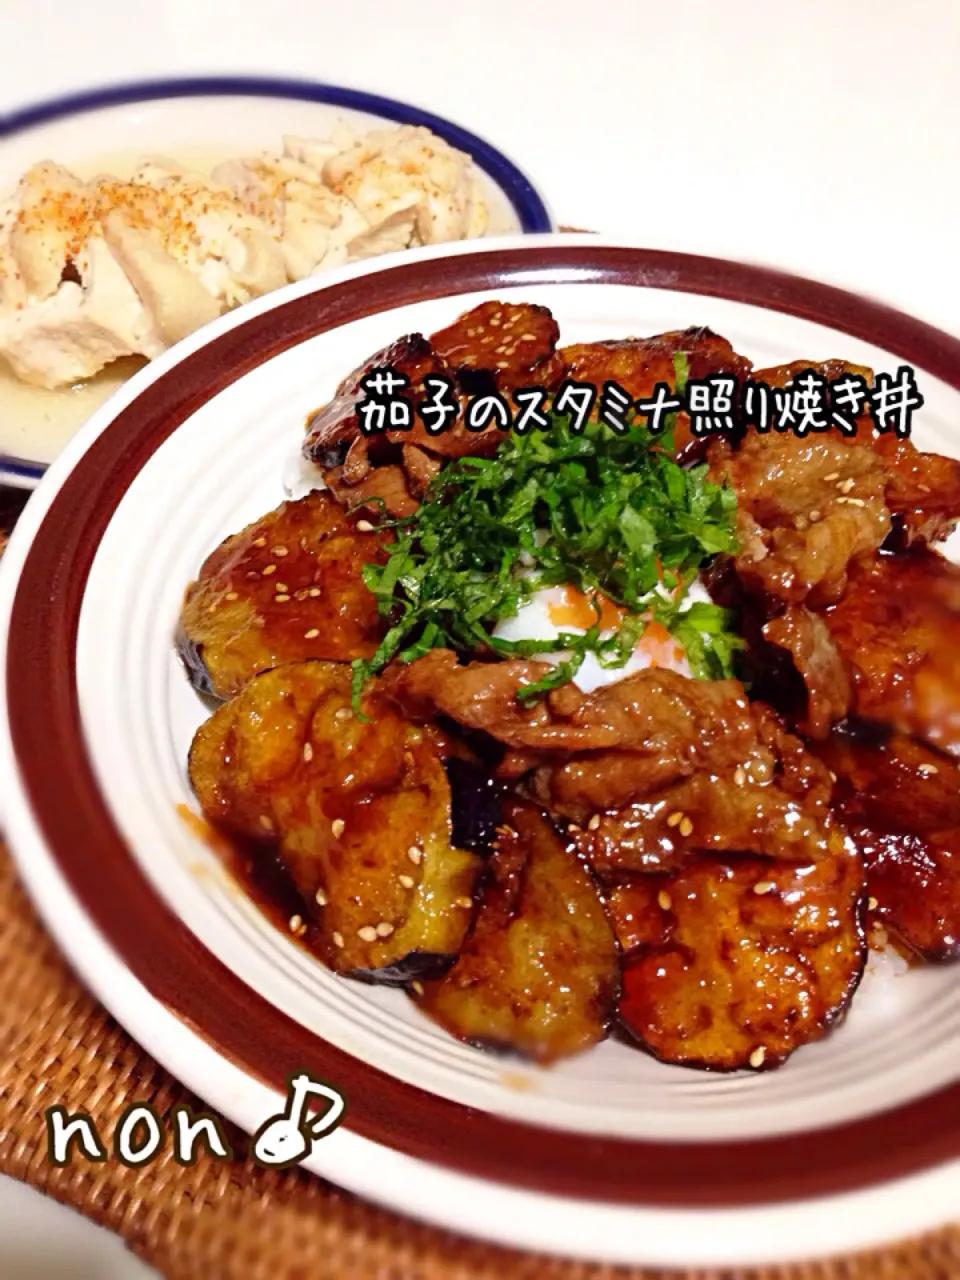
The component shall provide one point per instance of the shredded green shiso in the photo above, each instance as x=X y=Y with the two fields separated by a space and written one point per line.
x=604 y=511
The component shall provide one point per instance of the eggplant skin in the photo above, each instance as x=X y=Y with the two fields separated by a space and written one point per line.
x=477 y=803
x=539 y=974
x=417 y=966
x=332 y=456
x=736 y=963
x=191 y=655
x=287 y=588
x=357 y=811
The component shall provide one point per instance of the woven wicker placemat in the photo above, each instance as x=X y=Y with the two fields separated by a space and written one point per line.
x=237 y=1221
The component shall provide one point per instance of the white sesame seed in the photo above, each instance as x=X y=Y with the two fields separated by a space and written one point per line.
x=367 y=933
x=232 y=595
x=295 y=923
x=855 y=502
x=573 y=829
x=686 y=827
x=594 y=822
x=928 y=770
x=418 y=987
x=384 y=929
x=282 y=598
x=307 y=751
x=311 y=634
x=846 y=485
x=415 y=855
x=664 y=901
x=406 y=881
x=343 y=713
x=740 y=775
x=675 y=819
x=321 y=898
x=337 y=826
x=280 y=551
x=364 y=526
x=764 y=886
x=466 y=903
x=270 y=568
x=872 y=904
x=758 y=1056
x=259 y=542
x=338 y=939
x=314 y=592
x=814 y=517
x=834 y=475
x=266 y=822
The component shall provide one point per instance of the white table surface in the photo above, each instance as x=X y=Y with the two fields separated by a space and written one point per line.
x=820 y=135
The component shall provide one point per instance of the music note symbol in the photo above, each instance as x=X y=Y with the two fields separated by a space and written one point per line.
x=286 y=1139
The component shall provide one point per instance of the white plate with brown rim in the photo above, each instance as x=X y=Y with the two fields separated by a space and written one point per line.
x=612 y=1155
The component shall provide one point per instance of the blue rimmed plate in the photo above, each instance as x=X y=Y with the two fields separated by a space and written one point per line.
x=201 y=121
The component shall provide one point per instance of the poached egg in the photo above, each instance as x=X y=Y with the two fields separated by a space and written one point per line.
x=555 y=609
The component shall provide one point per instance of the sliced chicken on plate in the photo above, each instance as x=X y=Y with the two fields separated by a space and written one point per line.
x=359 y=196
x=93 y=271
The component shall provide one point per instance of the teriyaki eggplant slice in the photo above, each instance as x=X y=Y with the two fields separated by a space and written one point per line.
x=737 y=962
x=357 y=809
x=540 y=972
x=899 y=801
x=287 y=588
